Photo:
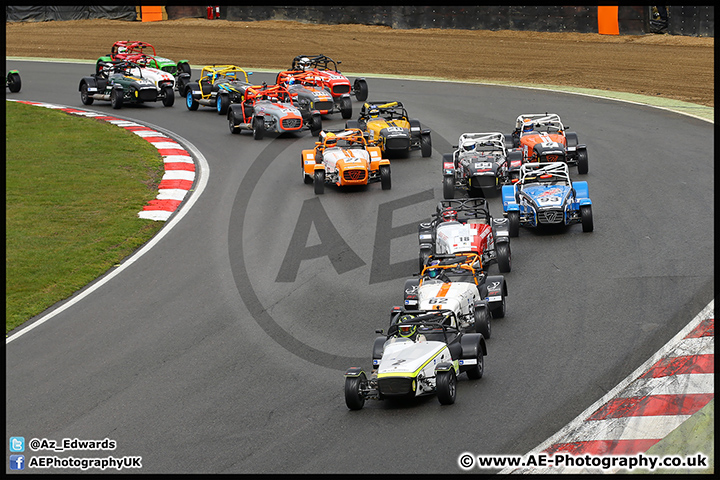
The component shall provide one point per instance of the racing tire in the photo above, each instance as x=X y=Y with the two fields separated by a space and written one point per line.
x=502 y=253
x=425 y=145
x=258 y=127
x=587 y=218
x=354 y=399
x=169 y=97
x=498 y=311
x=482 y=322
x=315 y=125
x=222 y=104
x=423 y=258
x=231 y=123
x=85 y=97
x=582 y=161
x=319 y=181
x=446 y=385
x=190 y=101
x=184 y=67
x=361 y=90
x=345 y=107
x=116 y=98
x=514 y=221
x=448 y=187
x=385 y=179
x=180 y=84
x=14 y=83
x=477 y=371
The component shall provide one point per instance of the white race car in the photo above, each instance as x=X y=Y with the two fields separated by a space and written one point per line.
x=457 y=283
x=421 y=354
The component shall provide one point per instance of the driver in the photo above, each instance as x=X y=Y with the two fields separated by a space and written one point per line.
x=449 y=215
x=528 y=126
x=409 y=331
x=304 y=63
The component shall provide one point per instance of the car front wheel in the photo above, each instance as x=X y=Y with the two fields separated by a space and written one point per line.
x=477 y=371
x=502 y=251
x=85 y=96
x=446 y=384
x=354 y=399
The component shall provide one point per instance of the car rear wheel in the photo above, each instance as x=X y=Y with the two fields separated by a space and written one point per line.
x=448 y=187
x=482 y=322
x=258 y=126
x=169 y=96
x=345 y=107
x=14 y=83
x=184 y=67
x=361 y=90
x=446 y=384
x=425 y=145
x=385 y=179
x=477 y=371
x=587 y=218
x=319 y=181
x=116 y=98
x=190 y=101
x=223 y=103
x=85 y=96
x=582 y=161
x=354 y=399
x=502 y=251
x=514 y=221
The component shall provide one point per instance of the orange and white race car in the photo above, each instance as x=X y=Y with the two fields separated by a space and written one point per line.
x=344 y=157
x=542 y=138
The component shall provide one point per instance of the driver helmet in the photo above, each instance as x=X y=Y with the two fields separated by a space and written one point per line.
x=449 y=215
x=304 y=63
x=122 y=50
x=406 y=331
x=290 y=80
x=374 y=112
x=528 y=126
x=434 y=272
x=468 y=146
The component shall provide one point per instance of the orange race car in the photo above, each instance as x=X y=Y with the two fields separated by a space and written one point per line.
x=542 y=138
x=344 y=157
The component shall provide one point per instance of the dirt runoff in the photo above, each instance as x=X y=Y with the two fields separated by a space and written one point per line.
x=668 y=66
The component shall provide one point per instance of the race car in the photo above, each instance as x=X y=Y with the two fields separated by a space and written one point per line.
x=545 y=195
x=422 y=354
x=542 y=138
x=123 y=82
x=309 y=91
x=466 y=226
x=218 y=87
x=327 y=73
x=389 y=127
x=269 y=108
x=343 y=157
x=13 y=81
x=124 y=50
x=480 y=161
x=459 y=283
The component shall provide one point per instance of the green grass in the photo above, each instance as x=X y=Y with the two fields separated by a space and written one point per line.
x=74 y=187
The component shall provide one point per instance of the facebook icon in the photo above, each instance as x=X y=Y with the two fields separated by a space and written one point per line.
x=17 y=462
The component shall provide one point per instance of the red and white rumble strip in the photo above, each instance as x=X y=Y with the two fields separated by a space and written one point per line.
x=658 y=397
x=179 y=164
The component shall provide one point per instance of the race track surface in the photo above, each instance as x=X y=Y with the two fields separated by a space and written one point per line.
x=222 y=350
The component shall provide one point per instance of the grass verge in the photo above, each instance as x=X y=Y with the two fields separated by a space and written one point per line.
x=74 y=187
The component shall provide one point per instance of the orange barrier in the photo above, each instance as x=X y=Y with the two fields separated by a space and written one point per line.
x=608 y=21
x=151 y=14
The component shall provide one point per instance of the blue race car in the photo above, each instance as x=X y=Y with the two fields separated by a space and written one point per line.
x=545 y=195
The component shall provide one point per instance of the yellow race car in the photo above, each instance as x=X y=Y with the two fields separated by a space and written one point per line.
x=218 y=87
x=388 y=126
x=344 y=157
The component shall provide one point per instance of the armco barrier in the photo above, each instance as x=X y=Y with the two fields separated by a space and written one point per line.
x=694 y=20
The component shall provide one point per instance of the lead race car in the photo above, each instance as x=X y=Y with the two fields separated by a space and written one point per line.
x=343 y=157
x=121 y=82
x=422 y=354
x=480 y=161
x=545 y=195
x=126 y=50
x=459 y=283
x=466 y=226
x=269 y=108
x=219 y=87
x=543 y=138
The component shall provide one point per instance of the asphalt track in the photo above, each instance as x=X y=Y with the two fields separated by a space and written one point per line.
x=222 y=349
